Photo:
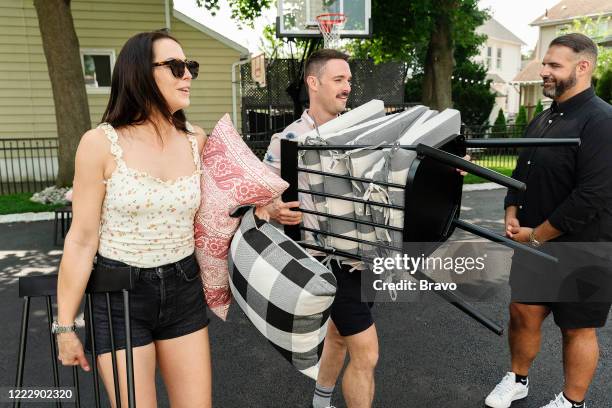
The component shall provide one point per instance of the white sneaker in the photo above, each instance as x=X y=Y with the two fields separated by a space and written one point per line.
x=507 y=391
x=561 y=402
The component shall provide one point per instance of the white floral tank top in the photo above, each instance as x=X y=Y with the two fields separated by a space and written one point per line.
x=145 y=221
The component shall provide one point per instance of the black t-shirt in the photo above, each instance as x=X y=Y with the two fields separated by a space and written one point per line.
x=570 y=186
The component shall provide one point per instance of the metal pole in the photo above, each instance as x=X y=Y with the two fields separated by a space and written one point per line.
x=113 y=351
x=289 y=173
x=56 y=379
x=92 y=336
x=129 y=357
x=23 y=338
x=75 y=381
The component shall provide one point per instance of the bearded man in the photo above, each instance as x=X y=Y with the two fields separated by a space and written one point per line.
x=568 y=199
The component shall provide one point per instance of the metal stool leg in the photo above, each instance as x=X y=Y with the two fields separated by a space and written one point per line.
x=113 y=352
x=23 y=338
x=63 y=224
x=56 y=379
x=94 y=362
x=129 y=357
x=55 y=227
x=75 y=381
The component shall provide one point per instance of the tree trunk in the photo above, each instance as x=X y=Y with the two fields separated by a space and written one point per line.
x=439 y=60
x=61 y=47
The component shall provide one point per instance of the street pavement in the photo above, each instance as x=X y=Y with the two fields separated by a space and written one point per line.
x=431 y=354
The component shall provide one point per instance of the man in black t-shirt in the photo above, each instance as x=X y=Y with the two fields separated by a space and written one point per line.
x=568 y=200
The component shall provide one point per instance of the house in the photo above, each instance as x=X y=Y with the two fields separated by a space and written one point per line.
x=501 y=54
x=554 y=22
x=102 y=27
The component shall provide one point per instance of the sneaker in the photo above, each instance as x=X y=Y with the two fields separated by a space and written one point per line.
x=561 y=402
x=507 y=391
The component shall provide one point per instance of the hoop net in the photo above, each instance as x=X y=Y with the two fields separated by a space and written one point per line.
x=330 y=25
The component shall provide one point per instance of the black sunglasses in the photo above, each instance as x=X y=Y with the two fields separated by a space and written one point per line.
x=177 y=67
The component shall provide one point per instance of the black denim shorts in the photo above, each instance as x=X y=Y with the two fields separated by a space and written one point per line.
x=166 y=302
x=350 y=312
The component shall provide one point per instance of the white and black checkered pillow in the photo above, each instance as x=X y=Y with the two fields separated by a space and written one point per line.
x=285 y=292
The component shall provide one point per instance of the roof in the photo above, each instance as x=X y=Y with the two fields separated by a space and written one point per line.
x=210 y=32
x=496 y=79
x=530 y=73
x=494 y=29
x=567 y=10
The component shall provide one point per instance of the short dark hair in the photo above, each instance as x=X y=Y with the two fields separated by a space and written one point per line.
x=579 y=43
x=318 y=59
x=134 y=95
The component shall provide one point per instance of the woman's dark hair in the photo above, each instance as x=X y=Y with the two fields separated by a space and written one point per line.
x=134 y=95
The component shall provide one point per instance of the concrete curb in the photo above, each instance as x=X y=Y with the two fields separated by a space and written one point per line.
x=481 y=186
x=27 y=217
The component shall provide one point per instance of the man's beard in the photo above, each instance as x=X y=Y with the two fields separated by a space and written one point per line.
x=560 y=86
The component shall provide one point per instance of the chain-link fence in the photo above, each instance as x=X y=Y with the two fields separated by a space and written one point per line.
x=269 y=109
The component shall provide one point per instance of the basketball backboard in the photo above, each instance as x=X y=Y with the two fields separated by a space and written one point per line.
x=297 y=18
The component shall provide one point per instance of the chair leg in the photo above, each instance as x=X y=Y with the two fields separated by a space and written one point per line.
x=55 y=229
x=75 y=381
x=128 y=350
x=113 y=352
x=94 y=362
x=63 y=224
x=23 y=339
x=56 y=379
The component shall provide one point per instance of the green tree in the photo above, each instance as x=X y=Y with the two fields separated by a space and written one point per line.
x=597 y=29
x=500 y=123
x=604 y=86
x=521 y=122
x=538 y=109
x=473 y=99
x=423 y=34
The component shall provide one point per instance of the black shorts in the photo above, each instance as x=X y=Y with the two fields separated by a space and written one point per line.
x=166 y=302
x=349 y=312
x=577 y=315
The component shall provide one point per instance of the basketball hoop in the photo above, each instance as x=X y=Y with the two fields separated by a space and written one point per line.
x=330 y=25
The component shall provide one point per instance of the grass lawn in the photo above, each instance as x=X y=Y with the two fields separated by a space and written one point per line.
x=472 y=179
x=20 y=203
x=503 y=160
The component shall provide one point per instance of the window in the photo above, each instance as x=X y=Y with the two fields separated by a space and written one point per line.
x=489 y=57
x=97 y=69
x=499 y=59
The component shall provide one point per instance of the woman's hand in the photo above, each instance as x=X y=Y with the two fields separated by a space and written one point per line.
x=281 y=212
x=71 y=351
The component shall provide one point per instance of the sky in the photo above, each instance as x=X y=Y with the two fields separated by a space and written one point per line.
x=515 y=15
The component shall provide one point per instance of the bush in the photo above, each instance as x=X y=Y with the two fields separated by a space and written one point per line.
x=500 y=123
x=604 y=86
x=538 y=109
x=521 y=122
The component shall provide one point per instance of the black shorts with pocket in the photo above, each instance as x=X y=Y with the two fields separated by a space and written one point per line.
x=574 y=315
x=349 y=312
x=166 y=302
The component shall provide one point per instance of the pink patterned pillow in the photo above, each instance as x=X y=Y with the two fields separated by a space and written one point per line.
x=231 y=176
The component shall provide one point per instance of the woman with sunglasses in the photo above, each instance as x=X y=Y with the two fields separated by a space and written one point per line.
x=136 y=193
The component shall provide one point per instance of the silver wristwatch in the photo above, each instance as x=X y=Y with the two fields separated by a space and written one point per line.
x=532 y=239
x=57 y=329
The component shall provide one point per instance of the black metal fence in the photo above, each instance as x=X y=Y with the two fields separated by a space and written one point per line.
x=27 y=165
x=30 y=165
x=500 y=158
